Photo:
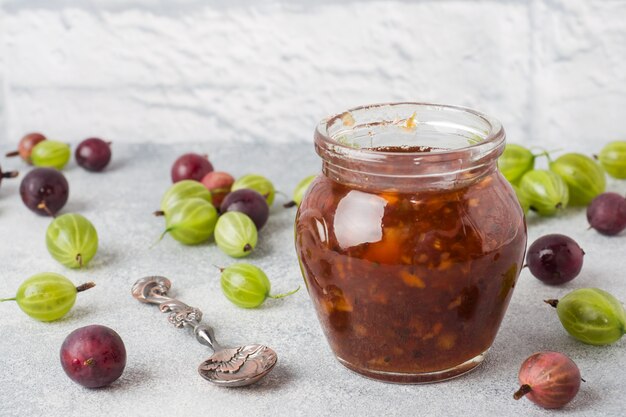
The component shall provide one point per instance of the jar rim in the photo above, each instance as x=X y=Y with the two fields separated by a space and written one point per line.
x=493 y=141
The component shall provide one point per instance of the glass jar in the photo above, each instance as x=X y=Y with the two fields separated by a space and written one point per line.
x=410 y=241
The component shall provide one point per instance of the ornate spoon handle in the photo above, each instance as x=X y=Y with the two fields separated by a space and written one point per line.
x=154 y=289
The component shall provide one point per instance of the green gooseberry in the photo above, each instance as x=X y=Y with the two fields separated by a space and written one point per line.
x=591 y=315
x=247 y=286
x=236 y=234
x=613 y=159
x=257 y=183
x=515 y=161
x=190 y=221
x=51 y=153
x=47 y=296
x=182 y=190
x=545 y=191
x=584 y=177
x=72 y=240
x=301 y=188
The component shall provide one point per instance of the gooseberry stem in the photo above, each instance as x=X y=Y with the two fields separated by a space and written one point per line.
x=546 y=153
x=285 y=294
x=552 y=302
x=169 y=229
x=523 y=390
x=79 y=258
x=45 y=208
x=247 y=248
x=7 y=299
x=85 y=286
x=12 y=154
x=10 y=174
x=219 y=267
x=159 y=213
x=290 y=204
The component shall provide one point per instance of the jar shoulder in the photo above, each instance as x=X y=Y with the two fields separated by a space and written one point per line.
x=486 y=213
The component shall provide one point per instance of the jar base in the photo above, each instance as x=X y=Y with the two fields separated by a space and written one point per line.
x=418 y=378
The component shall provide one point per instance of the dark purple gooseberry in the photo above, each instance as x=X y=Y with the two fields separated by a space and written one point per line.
x=248 y=202
x=93 y=356
x=555 y=259
x=93 y=154
x=607 y=213
x=45 y=191
x=191 y=166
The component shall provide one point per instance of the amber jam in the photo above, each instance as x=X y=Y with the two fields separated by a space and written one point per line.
x=410 y=263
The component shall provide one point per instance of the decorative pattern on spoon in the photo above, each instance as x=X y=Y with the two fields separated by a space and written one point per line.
x=230 y=367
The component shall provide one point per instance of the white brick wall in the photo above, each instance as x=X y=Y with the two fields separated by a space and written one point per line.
x=554 y=71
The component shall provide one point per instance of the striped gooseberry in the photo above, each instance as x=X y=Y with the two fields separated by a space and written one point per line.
x=183 y=190
x=72 y=240
x=190 y=221
x=258 y=183
x=613 y=159
x=47 y=296
x=235 y=234
x=247 y=286
x=591 y=315
x=51 y=154
x=545 y=192
x=584 y=177
x=515 y=161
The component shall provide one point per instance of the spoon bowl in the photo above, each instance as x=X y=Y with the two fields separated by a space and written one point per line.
x=237 y=367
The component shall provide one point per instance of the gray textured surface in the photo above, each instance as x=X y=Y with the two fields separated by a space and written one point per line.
x=161 y=377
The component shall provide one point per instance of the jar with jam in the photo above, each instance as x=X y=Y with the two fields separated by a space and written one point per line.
x=410 y=241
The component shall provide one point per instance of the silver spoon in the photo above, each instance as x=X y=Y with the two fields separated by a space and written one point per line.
x=228 y=367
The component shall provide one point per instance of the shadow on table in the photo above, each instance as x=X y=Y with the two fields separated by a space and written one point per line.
x=277 y=379
x=74 y=206
x=587 y=399
x=130 y=378
x=80 y=313
x=105 y=257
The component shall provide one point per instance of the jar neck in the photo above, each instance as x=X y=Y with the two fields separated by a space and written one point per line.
x=454 y=176
x=433 y=147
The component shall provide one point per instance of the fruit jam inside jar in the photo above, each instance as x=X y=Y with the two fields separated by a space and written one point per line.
x=410 y=241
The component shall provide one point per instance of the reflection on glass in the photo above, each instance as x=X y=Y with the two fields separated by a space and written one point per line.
x=358 y=219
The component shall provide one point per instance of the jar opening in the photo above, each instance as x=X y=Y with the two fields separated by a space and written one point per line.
x=417 y=140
